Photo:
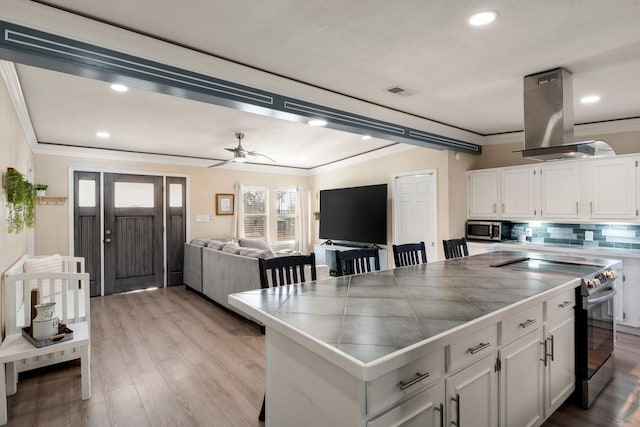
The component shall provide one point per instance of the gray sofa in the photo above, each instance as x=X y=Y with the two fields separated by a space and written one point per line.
x=218 y=272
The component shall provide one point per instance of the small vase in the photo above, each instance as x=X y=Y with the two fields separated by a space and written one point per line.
x=45 y=323
x=41 y=193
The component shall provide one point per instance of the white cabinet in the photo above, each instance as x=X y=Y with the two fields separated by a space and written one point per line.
x=610 y=188
x=521 y=381
x=628 y=298
x=560 y=190
x=518 y=192
x=425 y=409
x=559 y=348
x=482 y=194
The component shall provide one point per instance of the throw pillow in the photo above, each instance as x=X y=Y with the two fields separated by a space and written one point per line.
x=256 y=253
x=255 y=243
x=231 y=248
x=198 y=242
x=48 y=264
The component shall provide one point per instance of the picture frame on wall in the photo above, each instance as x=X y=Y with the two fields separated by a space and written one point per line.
x=224 y=204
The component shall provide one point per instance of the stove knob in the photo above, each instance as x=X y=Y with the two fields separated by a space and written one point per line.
x=589 y=283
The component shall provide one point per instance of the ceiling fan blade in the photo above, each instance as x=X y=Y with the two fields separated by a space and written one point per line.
x=220 y=164
x=253 y=153
x=233 y=150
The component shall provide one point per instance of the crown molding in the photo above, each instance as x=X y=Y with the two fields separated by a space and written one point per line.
x=12 y=83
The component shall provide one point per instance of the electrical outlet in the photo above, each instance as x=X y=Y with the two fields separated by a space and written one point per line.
x=528 y=231
x=588 y=236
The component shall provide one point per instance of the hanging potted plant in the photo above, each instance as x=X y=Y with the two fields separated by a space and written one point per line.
x=41 y=189
x=21 y=196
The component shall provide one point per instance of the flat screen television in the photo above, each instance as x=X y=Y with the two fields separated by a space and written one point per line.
x=355 y=214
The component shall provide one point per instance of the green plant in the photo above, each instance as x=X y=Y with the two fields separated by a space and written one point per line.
x=40 y=187
x=21 y=196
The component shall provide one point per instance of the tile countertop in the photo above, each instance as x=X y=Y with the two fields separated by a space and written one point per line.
x=372 y=323
x=560 y=248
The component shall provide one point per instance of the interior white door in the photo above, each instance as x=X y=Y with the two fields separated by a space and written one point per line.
x=415 y=213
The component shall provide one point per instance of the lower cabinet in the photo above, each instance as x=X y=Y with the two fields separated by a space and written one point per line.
x=559 y=360
x=472 y=395
x=425 y=409
x=521 y=381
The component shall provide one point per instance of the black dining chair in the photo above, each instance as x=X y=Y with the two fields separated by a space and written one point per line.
x=455 y=248
x=357 y=261
x=409 y=254
x=281 y=271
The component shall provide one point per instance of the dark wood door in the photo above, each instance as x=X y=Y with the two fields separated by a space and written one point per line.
x=86 y=215
x=133 y=251
x=176 y=202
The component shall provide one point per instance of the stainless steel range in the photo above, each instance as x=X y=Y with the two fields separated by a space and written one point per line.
x=595 y=318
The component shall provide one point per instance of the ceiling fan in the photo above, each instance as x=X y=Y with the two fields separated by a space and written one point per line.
x=239 y=153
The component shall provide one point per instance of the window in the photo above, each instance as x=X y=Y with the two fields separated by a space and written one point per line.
x=255 y=213
x=271 y=215
x=285 y=216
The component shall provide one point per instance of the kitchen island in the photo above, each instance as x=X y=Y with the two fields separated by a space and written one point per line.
x=425 y=344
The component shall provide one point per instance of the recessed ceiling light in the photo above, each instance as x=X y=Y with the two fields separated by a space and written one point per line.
x=317 y=122
x=103 y=134
x=590 y=99
x=119 y=88
x=483 y=18
x=365 y=137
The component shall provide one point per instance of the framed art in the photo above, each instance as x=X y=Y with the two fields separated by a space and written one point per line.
x=224 y=204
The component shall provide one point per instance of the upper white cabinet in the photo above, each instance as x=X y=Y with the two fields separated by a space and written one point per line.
x=611 y=188
x=482 y=194
x=560 y=190
x=590 y=189
x=518 y=192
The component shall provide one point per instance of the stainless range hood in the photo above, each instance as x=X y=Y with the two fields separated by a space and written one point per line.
x=548 y=119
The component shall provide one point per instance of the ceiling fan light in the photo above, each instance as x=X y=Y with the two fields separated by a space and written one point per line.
x=239 y=159
x=317 y=122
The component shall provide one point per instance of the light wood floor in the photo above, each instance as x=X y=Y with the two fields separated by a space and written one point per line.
x=169 y=358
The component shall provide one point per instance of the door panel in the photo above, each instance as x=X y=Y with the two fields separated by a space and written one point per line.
x=86 y=209
x=176 y=202
x=132 y=232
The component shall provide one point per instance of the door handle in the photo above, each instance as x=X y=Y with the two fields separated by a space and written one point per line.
x=457 y=401
x=107 y=240
x=441 y=410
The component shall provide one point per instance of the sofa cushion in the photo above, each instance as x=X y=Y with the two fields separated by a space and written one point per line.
x=231 y=248
x=254 y=243
x=198 y=242
x=218 y=243
x=256 y=253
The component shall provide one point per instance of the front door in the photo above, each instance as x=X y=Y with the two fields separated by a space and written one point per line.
x=415 y=215
x=133 y=249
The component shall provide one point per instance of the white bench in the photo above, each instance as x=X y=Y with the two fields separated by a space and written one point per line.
x=68 y=286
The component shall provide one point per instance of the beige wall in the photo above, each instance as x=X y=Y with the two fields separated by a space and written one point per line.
x=451 y=185
x=500 y=155
x=52 y=224
x=15 y=153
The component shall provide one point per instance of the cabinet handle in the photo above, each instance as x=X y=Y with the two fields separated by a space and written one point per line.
x=457 y=400
x=419 y=377
x=591 y=208
x=503 y=208
x=479 y=347
x=528 y=323
x=564 y=304
x=441 y=410
x=552 y=350
x=544 y=344
x=577 y=206
x=494 y=208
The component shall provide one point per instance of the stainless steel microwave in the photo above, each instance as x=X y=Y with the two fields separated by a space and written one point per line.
x=488 y=230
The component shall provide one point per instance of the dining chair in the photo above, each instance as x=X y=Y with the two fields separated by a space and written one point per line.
x=409 y=254
x=357 y=261
x=281 y=271
x=455 y=248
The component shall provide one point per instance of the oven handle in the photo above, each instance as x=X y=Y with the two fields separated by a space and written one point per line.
x=606 y=297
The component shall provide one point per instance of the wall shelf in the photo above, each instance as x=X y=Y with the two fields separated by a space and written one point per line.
x=52 y=200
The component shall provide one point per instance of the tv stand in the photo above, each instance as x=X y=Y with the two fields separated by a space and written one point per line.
x=325 y=253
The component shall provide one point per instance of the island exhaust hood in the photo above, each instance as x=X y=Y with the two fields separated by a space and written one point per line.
x=548 y=119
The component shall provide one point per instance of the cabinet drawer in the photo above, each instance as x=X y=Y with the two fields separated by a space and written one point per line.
x=472 y=348
x=521 y=323
x=559 y=304
x=394 y=386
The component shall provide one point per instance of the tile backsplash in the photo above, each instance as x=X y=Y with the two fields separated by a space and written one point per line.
x=623 y=236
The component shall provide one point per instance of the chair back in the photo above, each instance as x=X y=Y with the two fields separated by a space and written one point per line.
x=287 y=270
x=357 y=261
x=409 y=254
x=455 y=248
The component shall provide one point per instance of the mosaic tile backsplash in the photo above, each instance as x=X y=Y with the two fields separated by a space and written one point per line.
x=623 y=236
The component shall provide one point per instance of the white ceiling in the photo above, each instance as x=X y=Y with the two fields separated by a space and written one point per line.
x=470 y=78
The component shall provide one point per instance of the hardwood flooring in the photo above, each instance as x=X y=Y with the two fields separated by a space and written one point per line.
x=170 y=358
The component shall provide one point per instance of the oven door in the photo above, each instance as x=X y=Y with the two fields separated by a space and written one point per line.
x=600 y=331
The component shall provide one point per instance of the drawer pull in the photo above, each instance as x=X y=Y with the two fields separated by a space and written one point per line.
x=527 y=323
x=457 y=401
x=479 y=347
x=440 y=409
x=564 y=304
x=419 y=377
